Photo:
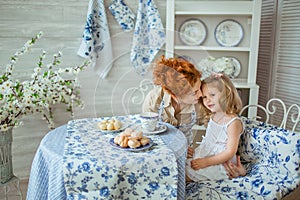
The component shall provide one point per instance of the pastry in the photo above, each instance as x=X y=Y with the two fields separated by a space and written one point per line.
x=117 y=124
x=131 y=138
x=144 y=140
x=104 y=122
x=116 y=139
x=137 y=135
x=112 y=120
x=128 y=131
x=123 y=141
x=102 y=126
x=112 y=124
x=132 y=143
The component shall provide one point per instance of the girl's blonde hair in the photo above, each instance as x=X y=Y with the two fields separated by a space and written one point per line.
x=230 y=101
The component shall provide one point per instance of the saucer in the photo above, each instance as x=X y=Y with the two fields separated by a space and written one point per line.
x=159 y=129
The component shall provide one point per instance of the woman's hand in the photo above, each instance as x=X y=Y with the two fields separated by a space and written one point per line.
x=190 y=152
x=233 y=170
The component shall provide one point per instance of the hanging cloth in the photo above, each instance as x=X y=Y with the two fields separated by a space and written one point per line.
x=122 y=14
x=148 y=38
x=96 y=41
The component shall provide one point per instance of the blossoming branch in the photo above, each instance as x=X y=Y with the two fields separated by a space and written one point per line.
x=48 y=85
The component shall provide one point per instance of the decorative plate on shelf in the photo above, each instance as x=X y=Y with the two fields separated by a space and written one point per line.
x=237 y=66
x=229 y=33
x=192 y=32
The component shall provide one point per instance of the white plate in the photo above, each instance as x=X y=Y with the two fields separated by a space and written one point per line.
x=237 y=66
x=229 y=33
x=192 y=32
x=159 y=129
x=141 y=148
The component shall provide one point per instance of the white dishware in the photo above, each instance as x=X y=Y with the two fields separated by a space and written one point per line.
x=192 y=32
x=160 y=128
x=149 y=120
x=229 y=33
x=237 y=66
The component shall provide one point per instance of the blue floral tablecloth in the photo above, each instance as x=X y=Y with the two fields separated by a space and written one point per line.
x=94 y=169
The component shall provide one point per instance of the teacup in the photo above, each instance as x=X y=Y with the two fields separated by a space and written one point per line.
x=149 y=120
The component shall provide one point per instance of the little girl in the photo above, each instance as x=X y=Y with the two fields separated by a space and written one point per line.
x=224 y=128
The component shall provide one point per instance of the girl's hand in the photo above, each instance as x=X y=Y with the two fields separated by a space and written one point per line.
x=190 y=152
x=233 y=170
x=198 y=163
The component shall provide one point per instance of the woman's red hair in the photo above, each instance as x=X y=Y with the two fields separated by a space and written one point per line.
x=175 y=75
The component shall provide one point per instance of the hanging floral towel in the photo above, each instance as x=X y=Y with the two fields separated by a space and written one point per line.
x=96 y=41
x=122 y=14
x=148 y=38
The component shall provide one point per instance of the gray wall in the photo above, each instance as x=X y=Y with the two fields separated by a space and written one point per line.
x=62 y=23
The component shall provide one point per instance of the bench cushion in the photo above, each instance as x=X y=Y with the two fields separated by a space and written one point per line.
x=271 y=156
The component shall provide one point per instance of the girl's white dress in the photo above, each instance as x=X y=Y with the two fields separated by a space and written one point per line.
x=213 y=143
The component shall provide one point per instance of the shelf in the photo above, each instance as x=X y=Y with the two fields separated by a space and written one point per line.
x=212 y=12
x=211 y=48
x=214 y=8
x=243 y=84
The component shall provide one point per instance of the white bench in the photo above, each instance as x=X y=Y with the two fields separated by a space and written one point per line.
x=271 y=155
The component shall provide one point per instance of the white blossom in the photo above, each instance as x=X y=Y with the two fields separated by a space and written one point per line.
x=46 y=88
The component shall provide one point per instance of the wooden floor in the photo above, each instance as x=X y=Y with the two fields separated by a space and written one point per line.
x=12 y=191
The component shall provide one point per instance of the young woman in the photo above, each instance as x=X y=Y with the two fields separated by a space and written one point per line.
x=224 y=128
x=177 y=98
